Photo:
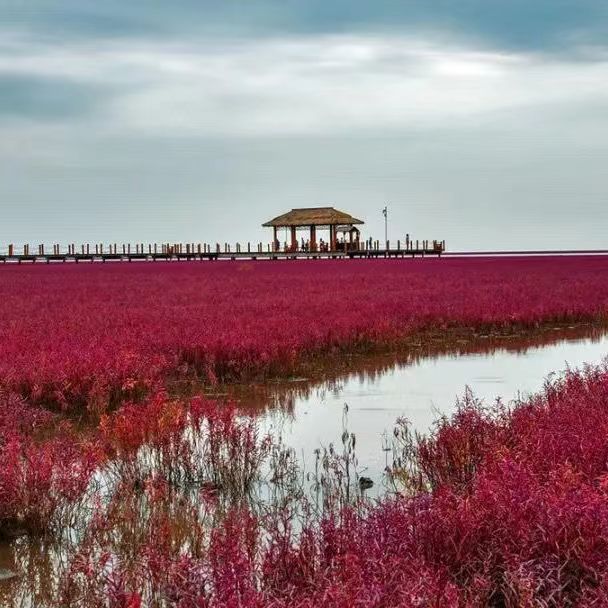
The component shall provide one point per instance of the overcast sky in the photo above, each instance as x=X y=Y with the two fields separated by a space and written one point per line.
x=484 y=122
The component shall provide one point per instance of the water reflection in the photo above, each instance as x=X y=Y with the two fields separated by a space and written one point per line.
x=419 y=385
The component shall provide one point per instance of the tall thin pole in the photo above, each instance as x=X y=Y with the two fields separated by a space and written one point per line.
x=385 y=214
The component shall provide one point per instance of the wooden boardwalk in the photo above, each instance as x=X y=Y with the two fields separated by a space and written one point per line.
x=169 y=252
x=100 y=253
x=213 y=256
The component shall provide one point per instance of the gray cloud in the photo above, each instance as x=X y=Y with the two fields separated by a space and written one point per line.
x=541 y=24
x=44 y=98
x=295 y=86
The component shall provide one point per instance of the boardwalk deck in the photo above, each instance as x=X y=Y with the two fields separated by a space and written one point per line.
x=278 y=255
x=212 y=256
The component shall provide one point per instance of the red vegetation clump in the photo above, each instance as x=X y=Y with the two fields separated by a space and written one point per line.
x=185 y=443
x=42 y=479
x=89 y=336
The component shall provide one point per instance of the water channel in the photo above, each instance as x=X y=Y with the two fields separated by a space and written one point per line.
x=379 y=389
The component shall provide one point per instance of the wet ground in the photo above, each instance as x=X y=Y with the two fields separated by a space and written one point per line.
x=309 y=412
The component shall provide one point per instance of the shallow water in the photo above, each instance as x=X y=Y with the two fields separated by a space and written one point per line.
x=308 y=412
x=381 y=389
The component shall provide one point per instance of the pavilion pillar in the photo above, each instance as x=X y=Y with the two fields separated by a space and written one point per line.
x=275 y=241
x=332 y=238
x=313 y=238
x=294 y=239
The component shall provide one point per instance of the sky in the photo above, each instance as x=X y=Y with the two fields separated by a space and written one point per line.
x=481 y=122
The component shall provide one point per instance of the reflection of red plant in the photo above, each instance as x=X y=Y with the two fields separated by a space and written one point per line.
x=92 y=336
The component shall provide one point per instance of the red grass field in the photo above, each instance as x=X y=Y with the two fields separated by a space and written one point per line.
x=499 y=508
x=81 y=336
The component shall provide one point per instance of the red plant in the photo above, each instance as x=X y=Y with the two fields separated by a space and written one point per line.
x=41 y=481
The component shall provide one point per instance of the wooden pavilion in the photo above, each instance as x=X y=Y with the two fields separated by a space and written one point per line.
x=317 y=218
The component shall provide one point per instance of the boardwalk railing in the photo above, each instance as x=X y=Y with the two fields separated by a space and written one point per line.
x=212 y=251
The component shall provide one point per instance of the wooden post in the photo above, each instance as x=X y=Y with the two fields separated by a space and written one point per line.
x=248 y=247
x=398 y=245
x=10 y=250
x=313 y=238
x=294 y=239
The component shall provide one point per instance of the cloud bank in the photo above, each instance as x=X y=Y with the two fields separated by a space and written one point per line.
x=316 y=85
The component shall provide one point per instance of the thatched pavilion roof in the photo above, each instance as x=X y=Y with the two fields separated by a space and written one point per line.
x=313 y=216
